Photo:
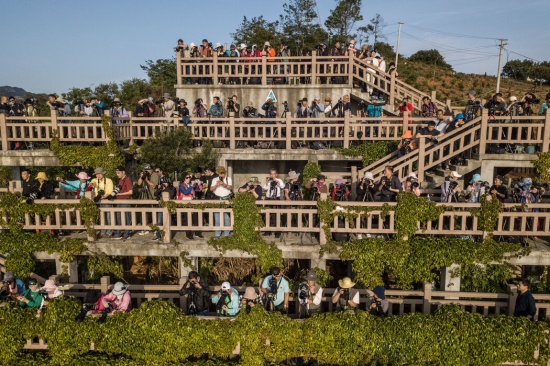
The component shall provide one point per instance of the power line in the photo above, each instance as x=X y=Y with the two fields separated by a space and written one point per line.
x=449 y=48
x=449 y=33
x=527 y=57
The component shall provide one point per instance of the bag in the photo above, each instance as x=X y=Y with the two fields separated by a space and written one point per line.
x=263 y=145
x=318 y=145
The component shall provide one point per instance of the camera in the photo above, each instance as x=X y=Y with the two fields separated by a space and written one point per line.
x=32 y=197
x=99 y=195
x=285 y=105
x=44 y=295
x=273 y=184
x=413 y=181
x=78 y=102
x=303 y=292
x=473 y=102
x=198 y=102
x=345 y=295
x=223 y=296
x=114 y=193
x=144 y=175
x=273 y=285
x=486 y=185
x=406 y=142
x=314 y=189
x=230 y=103
x=159 y=101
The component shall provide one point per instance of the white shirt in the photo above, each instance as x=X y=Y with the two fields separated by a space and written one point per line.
x=318 y=296
x=441 y=125
x=276 y=193
x=221 y=191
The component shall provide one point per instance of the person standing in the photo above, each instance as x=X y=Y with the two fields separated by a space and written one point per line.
x=310 y=295
x=525 y=303
x=222 y=187
x=124 y=193
x=103 y=187
x=389 y=186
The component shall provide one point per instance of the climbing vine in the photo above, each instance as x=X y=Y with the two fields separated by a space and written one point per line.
x=488 y=212
x=542 y=166
x=370 y=151
x=107 y=156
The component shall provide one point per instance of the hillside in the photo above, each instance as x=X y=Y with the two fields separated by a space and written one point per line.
x=12 y=91
x=453 y=85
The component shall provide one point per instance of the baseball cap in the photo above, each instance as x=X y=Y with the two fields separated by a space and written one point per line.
x=455 y=174
x=226 y=286
x=147 y=167
x=275 y=271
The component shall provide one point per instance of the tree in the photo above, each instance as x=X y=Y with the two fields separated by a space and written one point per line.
x=375 y=29
x=341 y=21
x=432 y=57
x=385 y=50
x=131 y=91
x=300 y=23
x=541 y=73
x=162 y=75
x=518 y=69
x=256 y=31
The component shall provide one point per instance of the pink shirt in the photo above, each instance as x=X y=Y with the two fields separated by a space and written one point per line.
x=122 y=305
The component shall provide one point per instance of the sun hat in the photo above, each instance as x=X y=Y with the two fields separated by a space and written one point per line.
x=513 y=98
x=221 y=169
x=192 y=44
x=412 y=175
x=267 y=44
x=82 y=175
x=41 y=175
x=407 y=135
x=242 y=46
x=312 y=276
x=218 y=44
x=338 y=182
x=60 y=100
x=346 y=283
x=250 y=293
x=293 y=175
x=119 y=289
x=455 y=174
x=327 y=99
x=99 y=171
x=368 y=175
x=116 y=100
x=476 y=178
x=226 y=286
x=167 y=95
x=380 y=292
x=459 y=116
x=50 y=287
x=526 y=182
x=472 y=92
x=254 y=180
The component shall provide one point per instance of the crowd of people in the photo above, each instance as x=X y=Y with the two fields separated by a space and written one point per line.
x=274 y=295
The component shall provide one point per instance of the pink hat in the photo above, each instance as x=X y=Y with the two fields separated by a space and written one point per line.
x=338 y=182
x=50 y=287
x=412 y=175
x=82 y=175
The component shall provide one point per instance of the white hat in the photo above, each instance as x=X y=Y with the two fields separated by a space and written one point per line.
x=242 y=46
x=226 y=286
x=455 y=174
x=267 y=44
x=513 y=99
x=191 y=44
x=119 y=289
x=368 y=175
x=218 y=44
x=412 y=175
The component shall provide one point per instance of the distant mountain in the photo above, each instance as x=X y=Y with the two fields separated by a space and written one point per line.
x=12 y=91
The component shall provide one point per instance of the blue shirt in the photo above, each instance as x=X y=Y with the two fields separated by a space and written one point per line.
x=216 y=110
x=282 y=289
x=374 y=110
x=232 y=303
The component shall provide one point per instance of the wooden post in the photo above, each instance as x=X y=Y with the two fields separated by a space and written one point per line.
x=421 y=157
x=215 y=77
x=179 y=69
x=232 y=130
x=4 y=132
x=405 y=121
x=105 y=283
x=433 y=95
x=55 y=127
x=350 y=71
x=546 y=132
x=322 y=236
x=346 y=129
x=354 y=179
x=427 y=307
x=264 y=68
x=314 y=68
x=483 y=131
x=392 y=89
x=129 y=128
x=512 y=297
x=183 y=299
x=288 y=130
x=166 y=219
x=89 y=195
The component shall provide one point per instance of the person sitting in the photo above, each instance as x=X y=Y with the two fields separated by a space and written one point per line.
x=411 y=184
x=15 y=285
x=51 y=289
x=78 y=186
x=119 y=299
x=345 y=296
x=449 y=188
x=340 y=191
x=378 y=305
x=250 y=299
x=31 y=297
x=499 y=190
x=406 y=145
x=227 y=300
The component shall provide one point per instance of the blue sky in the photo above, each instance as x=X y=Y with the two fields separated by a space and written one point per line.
x=56 y=45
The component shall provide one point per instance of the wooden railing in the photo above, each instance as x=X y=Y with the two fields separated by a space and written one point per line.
x=288 y=217
x=296 y=70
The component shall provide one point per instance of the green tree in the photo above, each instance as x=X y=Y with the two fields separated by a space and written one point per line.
x=541 y=73
x=385 y=50
x=107 y=92
x=301 y=23
x=518 y=69
x=432 y=57
x=77 y=93
x=341 y=21
x=256 y=31
x=162 y=75
x=131 y=91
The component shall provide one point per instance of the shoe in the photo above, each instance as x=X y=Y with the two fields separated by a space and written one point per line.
x=143 y=232
x=359 y=236
x=189 y=237
x=125 y=237
x=117 y=238
x=156 y=238
x=199 y=236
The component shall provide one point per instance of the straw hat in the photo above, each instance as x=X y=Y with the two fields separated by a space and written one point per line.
x=293 y=175
x=221 y=170
x=250 y=293
x=41 y=175
x=346 y=283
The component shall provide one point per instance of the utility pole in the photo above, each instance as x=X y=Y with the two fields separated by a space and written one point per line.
x=502 y=44
x=397 y=47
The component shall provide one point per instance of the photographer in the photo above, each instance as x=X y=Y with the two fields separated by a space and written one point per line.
x=273 y=186
x=340 y=191
x=15 y=286
x=406 y=145
x=276 y=289
x=430 y=133
x=181 y=47
x=449 y=188
x=200 y=109
x=31 y=297
x=216 y=109
x=405 y=106
x=118 y=110
x=429 y=108
x=82 y=108
x=27 y=183
x=183 y=112
x=164 y=185
x=345 y=296
x=499 y=189
x=118 y=300
x=317 y=186
x=316 y=108
x=411 y=184
x=103 y=187
x=145 y=108
x=227 y=301
x=233 y=106
x=544 y=106
x=253 y=186
x=43 y=189
x=250 y=299
x=293 y=190
x=270 y=109
x=366 y=188
x=377 y=305
x=527 y=103
x=123 y=191
x=168 y=106
x=199 y=183
x=98 y=106
x=187 y=193
x=148 y=181
x=78 y=186
x=302 y=109
x=473 y=106
x=389 y=185
x=496 y=105
x=476 y=189
x=197 y=293
x=222 y=188
x=310 y=295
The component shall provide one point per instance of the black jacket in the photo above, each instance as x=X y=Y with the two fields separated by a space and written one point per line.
x=199 y=297
x=525 y=305
x=28 y=187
